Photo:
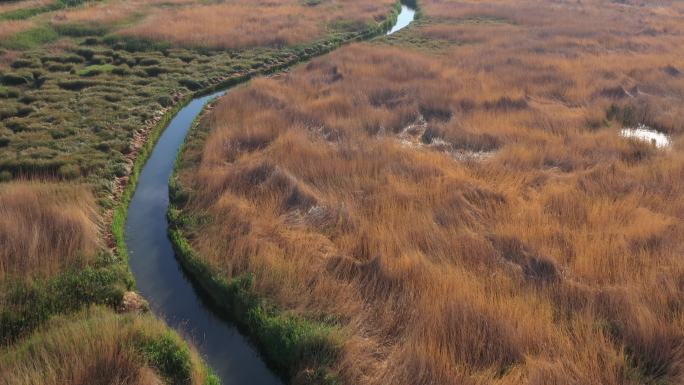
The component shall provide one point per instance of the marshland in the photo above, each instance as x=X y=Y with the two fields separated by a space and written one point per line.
x=493 y=194
x=87 y=89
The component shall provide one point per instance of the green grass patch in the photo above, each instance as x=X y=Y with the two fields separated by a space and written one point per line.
x=31 y=38
x=70 y=346
x=26 y=305
x=76 y=85
x=25 y=13
x=135 y=44
x=64 y=59
x=168 y=354
x=80 y=29
x=25 y=63
x=8 y=92
x=16 y=79
x=95 y=70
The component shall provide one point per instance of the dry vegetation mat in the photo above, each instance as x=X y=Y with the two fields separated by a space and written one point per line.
x=456 y=204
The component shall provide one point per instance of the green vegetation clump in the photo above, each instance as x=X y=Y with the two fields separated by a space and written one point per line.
x=81 y=30
x=8 y=92
x=76 y=85
x=135 y=44
x=155 y=71
x=170 y=356
x=16 y=79
x=57 y=67
x=24 y=63
x=25 y=13
x=96 y=69
x=28 y=305
x=32 y=38
x=132 y=347
x=288 y=342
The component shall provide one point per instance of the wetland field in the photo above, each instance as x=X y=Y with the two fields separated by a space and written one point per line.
x=359 y=192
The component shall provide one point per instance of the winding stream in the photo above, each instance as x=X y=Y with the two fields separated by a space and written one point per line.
x=406 y=16
x=159 y=277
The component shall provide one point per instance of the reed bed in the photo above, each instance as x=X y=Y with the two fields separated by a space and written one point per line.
x=469 y=214
x=236 y=25
x=112 y=13
x=11 y=27
x=45 y=228
x=97 y=346
x=99 y=13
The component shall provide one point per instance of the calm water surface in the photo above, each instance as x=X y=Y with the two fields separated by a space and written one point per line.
x=405 y=18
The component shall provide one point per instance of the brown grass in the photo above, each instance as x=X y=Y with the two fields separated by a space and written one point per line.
x=98 y=13
x=11 y=27
x=357 y=187
x=45 y=227
x=14 y=5
x=112 y=12
x=92 y=347
x=235 y=24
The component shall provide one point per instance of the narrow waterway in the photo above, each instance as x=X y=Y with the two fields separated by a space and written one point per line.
x=405 y=18
x=159 y=277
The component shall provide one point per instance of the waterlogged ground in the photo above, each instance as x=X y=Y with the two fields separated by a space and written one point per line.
x=647 y=134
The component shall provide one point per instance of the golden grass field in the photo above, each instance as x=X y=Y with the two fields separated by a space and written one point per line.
x=237 y=24
x=47 y=225
x=225 y=25
x=458 y=196
x=56 y=256
x=14 y=5
x=45 y=228
x=92 y=347
x=11 y=27
x=228 y=24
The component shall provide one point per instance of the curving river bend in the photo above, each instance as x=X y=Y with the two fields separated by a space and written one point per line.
x=160 y=279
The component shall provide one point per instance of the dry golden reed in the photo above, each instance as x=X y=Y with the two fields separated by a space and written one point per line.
x=114 y=12
x=236 y=24
x=94 y=346
x=469 y=214
x=11 y=27
x=45 y=227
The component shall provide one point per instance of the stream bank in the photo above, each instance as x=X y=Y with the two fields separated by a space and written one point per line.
x=202 y=305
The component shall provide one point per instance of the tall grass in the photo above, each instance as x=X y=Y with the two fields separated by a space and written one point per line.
x=111 y=13
x=12 y=27
x=45 y=228
x=97 y=346
x=99 y=13
x=9 y=6
x=354 y=189
x=238 y=25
